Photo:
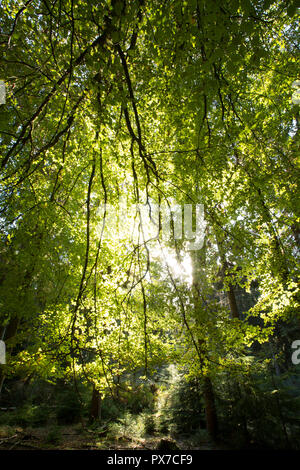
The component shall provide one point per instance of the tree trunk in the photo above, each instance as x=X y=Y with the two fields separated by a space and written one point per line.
x=210 y=409
x=95 y=412
x=199 y=263
x=232 y=302
x=230 y=292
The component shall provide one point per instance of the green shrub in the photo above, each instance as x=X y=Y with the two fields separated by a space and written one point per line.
x=111 y=409
x=150 y=423
x=28 y=416
x=181 y=409
x=68 y=408
x=53 y=436
x=258 y=411
x=129 y=426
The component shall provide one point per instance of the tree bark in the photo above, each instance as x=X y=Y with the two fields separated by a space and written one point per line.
x=232 y=302
x=199 y=263
x=95 y=411
x=210 y=409
x=230 y=292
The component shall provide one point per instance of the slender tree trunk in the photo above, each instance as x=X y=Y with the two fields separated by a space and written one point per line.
x=199 y=265
x=95 y=411
x=230 y=292
x=210 y=409
x=2 y=377
x=232 y=302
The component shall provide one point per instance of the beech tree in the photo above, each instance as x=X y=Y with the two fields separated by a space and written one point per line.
x=156 y=102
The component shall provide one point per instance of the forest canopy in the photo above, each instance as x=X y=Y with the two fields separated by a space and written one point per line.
x=188 y=106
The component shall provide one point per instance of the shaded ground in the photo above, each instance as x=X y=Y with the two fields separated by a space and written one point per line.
x=76 y=437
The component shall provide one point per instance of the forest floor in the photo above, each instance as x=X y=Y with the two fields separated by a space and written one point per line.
x=75 y=437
